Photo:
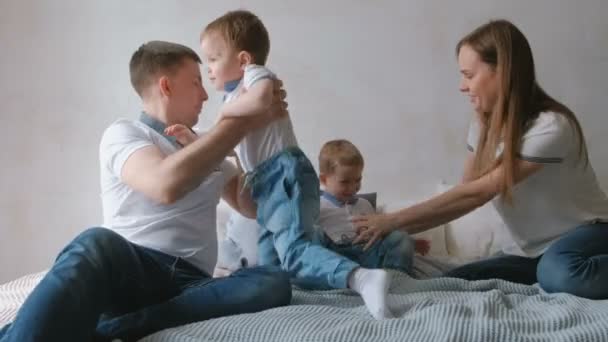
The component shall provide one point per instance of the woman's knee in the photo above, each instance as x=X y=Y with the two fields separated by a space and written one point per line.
x=572 y=273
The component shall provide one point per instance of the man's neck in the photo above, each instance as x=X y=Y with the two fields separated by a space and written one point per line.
x=157 y=112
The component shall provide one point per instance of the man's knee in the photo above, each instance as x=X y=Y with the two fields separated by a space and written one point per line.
x=95 y=245
x=274 y=284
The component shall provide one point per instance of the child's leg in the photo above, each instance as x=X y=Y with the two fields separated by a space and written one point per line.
x=267 y=255
x=286 y=189
x=395 y=251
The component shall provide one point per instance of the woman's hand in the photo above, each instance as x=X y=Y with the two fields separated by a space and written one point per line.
x=372 y=228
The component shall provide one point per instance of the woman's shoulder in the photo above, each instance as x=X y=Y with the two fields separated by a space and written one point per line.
x=548 y=138
x=549 y=123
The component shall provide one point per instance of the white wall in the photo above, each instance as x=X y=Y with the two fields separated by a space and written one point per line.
x=381 y=73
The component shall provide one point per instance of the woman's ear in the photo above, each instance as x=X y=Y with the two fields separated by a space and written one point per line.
x=245 y=59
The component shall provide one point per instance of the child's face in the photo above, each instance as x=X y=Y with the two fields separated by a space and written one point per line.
x=344 y=182
x=223 y=63
x=187 y=94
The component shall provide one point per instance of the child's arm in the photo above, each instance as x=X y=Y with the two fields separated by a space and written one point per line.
x=255 y=100
x=183 y=134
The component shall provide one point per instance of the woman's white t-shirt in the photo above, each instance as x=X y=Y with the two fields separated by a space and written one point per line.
x=561 y=196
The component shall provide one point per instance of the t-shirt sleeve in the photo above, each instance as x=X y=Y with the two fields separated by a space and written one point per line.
x=254 y=73
x=473 y=135
x=548 y=140
x=118 y=142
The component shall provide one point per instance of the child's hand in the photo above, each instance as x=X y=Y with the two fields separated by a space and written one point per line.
x=183 y=134
x=422 y=246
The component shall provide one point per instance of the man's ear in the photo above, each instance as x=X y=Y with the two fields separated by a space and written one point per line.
x=245 y=58
x=164 y=86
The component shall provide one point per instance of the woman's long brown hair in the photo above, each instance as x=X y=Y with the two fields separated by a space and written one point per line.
x=504 y=47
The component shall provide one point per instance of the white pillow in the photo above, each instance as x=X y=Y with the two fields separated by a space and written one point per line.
x=479 y=234
x=237 y=239
x=223 y=215
x=244 y=232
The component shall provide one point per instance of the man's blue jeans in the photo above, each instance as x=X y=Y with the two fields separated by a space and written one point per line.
x=103 y=287
x=286 y=190
x=577 y=264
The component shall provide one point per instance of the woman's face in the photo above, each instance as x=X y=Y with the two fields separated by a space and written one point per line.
x=479 y=80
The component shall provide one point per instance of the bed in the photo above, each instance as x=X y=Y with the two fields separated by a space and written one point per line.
x=434 y=309
x=440 y=309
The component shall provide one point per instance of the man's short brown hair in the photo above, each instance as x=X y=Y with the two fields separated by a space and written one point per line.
x=338 y=152
x=244 y=31
x=155 y=57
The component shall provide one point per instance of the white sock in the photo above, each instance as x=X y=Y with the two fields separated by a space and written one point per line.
x=373 y=286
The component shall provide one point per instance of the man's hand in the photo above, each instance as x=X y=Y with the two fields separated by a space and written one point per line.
x=277 y=110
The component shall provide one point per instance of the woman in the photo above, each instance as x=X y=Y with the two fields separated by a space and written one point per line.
x=528 y=155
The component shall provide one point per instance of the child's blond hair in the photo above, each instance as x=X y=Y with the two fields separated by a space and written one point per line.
x=338 y=152
x=244 y=31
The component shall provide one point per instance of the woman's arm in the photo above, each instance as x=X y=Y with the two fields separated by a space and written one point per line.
x=441 y=209
x=467 y=174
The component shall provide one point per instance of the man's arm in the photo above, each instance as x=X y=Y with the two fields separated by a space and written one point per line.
x=168 y=178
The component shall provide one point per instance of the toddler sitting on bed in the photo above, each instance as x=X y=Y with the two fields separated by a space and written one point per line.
x=340 y=172
x=283 y=181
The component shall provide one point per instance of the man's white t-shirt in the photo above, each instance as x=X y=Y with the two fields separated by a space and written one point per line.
x=560 y=197
x=185 y=228
x=261 y=144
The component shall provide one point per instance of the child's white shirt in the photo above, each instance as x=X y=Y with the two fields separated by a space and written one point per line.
x=265 y=142
x=335 y=217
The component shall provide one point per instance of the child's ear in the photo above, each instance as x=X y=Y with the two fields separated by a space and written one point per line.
x=245 y=59
x=322 y=178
